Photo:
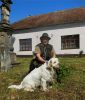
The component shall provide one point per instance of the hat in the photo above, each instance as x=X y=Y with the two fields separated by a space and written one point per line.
x=45 y=35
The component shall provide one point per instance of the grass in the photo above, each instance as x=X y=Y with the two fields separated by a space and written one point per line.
x=72 y=85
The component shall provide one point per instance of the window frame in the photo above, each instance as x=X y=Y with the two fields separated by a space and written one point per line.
x=70 y=42
x=25 y=44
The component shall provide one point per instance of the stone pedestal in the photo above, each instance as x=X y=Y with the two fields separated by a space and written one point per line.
x=5 y=57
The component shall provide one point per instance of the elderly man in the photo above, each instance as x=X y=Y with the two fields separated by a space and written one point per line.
x=43 y=52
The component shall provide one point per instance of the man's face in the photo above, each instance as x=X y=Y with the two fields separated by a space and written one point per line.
x=45 y=40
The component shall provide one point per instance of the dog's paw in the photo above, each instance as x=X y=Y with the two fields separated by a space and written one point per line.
x=45 y=90
x=28 y=89
x=50 y=87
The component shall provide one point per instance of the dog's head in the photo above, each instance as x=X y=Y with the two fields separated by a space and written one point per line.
x=53 y=63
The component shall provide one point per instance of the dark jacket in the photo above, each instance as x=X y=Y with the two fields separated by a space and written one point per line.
x=45 y=51
x=45 y=54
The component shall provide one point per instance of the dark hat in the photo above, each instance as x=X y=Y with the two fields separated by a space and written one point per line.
x=45 y=35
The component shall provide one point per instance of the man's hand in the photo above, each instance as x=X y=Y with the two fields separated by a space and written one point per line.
x=40 y=58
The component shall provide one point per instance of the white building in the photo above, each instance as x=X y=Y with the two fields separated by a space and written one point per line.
x=66 y=29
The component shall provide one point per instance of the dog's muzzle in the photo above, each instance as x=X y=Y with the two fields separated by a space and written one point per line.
x=57 y=66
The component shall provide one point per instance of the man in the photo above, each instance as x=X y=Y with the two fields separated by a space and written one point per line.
x=43 y=52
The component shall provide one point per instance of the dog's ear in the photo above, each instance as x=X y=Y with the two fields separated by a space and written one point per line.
x=49 y=65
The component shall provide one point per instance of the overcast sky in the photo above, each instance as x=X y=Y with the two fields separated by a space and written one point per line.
x=23 y=8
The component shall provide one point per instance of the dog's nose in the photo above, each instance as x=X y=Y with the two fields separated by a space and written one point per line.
x=58 y=66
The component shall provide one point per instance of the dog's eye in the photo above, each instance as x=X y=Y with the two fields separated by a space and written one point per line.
x=55 y=62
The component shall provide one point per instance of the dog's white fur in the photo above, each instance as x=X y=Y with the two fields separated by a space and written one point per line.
x=39 y=76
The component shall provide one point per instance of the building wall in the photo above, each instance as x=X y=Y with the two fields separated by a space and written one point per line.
x=55 y=32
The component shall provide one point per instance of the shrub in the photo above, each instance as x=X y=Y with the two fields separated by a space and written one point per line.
x=63 y=72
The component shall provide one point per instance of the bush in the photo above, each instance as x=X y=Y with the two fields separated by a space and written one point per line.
x=63 y=72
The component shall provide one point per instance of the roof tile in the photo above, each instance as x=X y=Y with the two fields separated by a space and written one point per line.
x=54 y=18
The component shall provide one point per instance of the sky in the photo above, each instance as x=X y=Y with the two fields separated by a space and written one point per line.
x=21 y=9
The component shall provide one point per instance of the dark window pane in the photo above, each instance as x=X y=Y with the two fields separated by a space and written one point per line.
x=70 y=42
x=25 y=44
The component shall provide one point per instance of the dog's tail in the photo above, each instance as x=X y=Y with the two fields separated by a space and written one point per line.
x=16 y=86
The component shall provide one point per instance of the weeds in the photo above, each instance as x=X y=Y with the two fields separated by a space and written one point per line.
x=71 y=74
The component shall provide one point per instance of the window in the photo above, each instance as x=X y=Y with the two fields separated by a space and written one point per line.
x=25 y=44
x=70 y=42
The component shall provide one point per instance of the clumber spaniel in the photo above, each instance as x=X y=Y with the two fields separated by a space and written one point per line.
x=39 y=76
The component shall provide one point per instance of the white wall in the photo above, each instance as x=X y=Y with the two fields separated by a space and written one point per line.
x=24 y=36
x=55 y=34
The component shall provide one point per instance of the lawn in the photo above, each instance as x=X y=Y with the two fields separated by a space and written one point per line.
x=72 y=85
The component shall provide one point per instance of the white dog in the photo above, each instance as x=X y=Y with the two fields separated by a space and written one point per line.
x=39 y=76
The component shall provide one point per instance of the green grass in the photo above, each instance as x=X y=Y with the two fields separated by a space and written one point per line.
x=72 y=85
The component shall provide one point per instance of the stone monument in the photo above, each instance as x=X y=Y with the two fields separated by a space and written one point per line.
x=6 y=47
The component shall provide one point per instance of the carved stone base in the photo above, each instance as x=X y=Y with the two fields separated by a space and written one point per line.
x=5 y=61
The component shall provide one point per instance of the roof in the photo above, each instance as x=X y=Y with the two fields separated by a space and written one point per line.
x=53 y=18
